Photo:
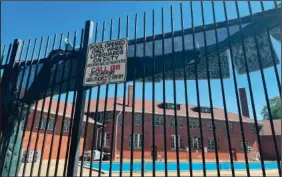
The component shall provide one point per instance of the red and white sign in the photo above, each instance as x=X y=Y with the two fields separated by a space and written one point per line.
x=106 y=63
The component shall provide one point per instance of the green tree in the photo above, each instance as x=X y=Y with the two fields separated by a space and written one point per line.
x=275 y=109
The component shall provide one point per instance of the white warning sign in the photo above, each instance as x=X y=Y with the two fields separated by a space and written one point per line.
x=106 y=63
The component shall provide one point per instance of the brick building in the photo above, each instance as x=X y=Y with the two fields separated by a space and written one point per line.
x=160 y=121
x=65 y=128
x=169 y=120
x=267 y=141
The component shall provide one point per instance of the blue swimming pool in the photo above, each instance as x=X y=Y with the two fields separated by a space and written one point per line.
x=184 y=166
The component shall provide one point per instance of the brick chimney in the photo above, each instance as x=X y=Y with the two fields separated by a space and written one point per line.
x=244 y=102
x=130 y=95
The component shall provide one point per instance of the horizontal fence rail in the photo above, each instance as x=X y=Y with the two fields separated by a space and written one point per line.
x=201 y=96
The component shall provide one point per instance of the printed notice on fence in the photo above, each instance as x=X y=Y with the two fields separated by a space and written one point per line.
x=106 y=63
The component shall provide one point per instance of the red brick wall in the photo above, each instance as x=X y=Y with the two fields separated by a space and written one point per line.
x=159 y=138
x=48 y=137
x=46 y=151
x=268 y=148
x=89 y=136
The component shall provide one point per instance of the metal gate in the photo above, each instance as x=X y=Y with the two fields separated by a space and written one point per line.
x=183 y=110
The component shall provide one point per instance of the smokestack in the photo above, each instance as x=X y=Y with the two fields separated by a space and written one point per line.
x=244 y=102
x=130 y=95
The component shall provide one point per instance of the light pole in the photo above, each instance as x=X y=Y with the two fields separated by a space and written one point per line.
x=116 y=133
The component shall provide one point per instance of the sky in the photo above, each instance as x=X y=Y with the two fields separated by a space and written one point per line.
x=30 y=20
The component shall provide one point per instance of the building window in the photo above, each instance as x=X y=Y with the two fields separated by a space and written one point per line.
x=172 y=106
x=51 y=124
x=120 y=116
x=202 y=109
x=194 y=124
x=172 y=122
x=195 y=143
x=22 y=125
x=137 y=141
x=66 y=126
x=210 y=126
x=106 y=139
x=43 y=123
x=159 y=122
x=101 y=117
x=206 y=110
x=230 y=127
x=138 y=120
x=211 y=144
x=253 y=128
x=109 y=116
x=179 y=121
x=249 y=148
x=180 y=142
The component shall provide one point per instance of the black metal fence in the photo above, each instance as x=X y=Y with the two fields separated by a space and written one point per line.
x=186 y=109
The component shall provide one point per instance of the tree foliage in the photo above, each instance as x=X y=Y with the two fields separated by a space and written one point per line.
x=275 y=109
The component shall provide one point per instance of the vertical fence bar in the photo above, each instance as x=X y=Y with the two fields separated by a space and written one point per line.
x=42 y=109
x=79 y=107
x=249 y=81
x=164 y=92
x=185 y=89
x=271 y=47
x=85 y=131
x=174 y=92
x=105 y=108
x=8 y=54
x=235 y=81
x=49 y=108
x=96 y=114
x=9 y=81
x=25 y=122
x=17 y=97
x=279 y=11
x=104 y=115
x=197 y=91
x=17 y=47
x=115 y=118
x=2 y=54
x=210 y=91
x=28 y=106
x=143 y=98
x=64 y=112
x=73 y=102
x=223 y=94
x=86 y=127
x=35 y=107
x=56 y=114
x=153 y=94
x=133 y=100
x=266 y=95
x=123 y=110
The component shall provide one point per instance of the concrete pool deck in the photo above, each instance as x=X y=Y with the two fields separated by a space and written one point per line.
x=85 y=171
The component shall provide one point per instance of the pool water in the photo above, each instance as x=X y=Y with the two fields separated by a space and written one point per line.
x=184 y=166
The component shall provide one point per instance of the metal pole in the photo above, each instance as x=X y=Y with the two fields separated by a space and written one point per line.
x=8 y=87
x=79 y=107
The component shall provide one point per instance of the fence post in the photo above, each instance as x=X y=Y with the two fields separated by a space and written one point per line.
x=8 y=89
x=79 y=106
